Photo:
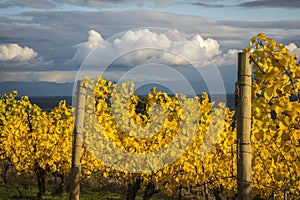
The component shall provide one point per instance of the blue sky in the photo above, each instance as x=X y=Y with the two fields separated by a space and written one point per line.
x=47 y=40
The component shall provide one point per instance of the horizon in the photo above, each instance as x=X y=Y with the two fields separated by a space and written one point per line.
x=66 y=89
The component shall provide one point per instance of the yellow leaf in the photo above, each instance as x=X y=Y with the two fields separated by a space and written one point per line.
x=261 y=36
x=253 y=39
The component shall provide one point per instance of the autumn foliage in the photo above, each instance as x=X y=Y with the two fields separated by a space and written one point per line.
x=36 y=141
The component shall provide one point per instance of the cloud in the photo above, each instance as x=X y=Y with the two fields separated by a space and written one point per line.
x=144 y=46
x=49 y=4
x=212 y=46
x=33 y=3
x=283 y=24
x=292 y=47
x=5 y=4
x=46 y=76
x=204 y=4
x=17 y=53
x=42 y=4
x=96 y=3
x=248 y=4
x=217 y=3
x=272 y=3
x=82 y=49
x=227 y=59
x=52 y=33
x=152 y=55
x=13 y=55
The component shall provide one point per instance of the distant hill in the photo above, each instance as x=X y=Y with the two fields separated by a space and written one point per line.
x=66 y=89
x=37 y=88
x=49 y=102
x=48 y=94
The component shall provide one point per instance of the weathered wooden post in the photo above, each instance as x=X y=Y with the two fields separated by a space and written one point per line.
x=243 y=117
x=77 y=142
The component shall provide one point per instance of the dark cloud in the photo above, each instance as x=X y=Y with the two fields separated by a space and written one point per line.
x=272 y=3
x=96 y=3
x=48 y=4
x=282 y=24
x=203 y=4
x=216 y=3
x=44 y=4
x=249 y=4
x=52 y=34
x=5 y=4
x=61 y=30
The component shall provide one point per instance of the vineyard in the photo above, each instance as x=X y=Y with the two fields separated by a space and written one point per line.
x=36 y=145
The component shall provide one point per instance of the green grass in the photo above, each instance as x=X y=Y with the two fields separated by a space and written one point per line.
x=25 y=187
x=10 y=192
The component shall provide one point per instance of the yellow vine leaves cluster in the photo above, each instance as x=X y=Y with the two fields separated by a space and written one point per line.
x=112 y=119
x=275 y=118
x=33 y=139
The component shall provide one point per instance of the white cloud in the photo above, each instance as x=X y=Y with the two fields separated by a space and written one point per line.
x=15 y=52
x=13 y=55
x=141 y=55
x=212 y=46
x=292 y=47
x=82 y=49
x=227 y=59
x=142 y=46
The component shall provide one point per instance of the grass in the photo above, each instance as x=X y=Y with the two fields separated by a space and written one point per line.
x=24 y=186
x=11 y=192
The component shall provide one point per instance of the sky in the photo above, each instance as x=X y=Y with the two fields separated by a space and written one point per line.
x=174 y=43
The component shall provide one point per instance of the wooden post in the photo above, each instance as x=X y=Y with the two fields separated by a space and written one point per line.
x=77 y=142
x=285 y=195
x=243 y=117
